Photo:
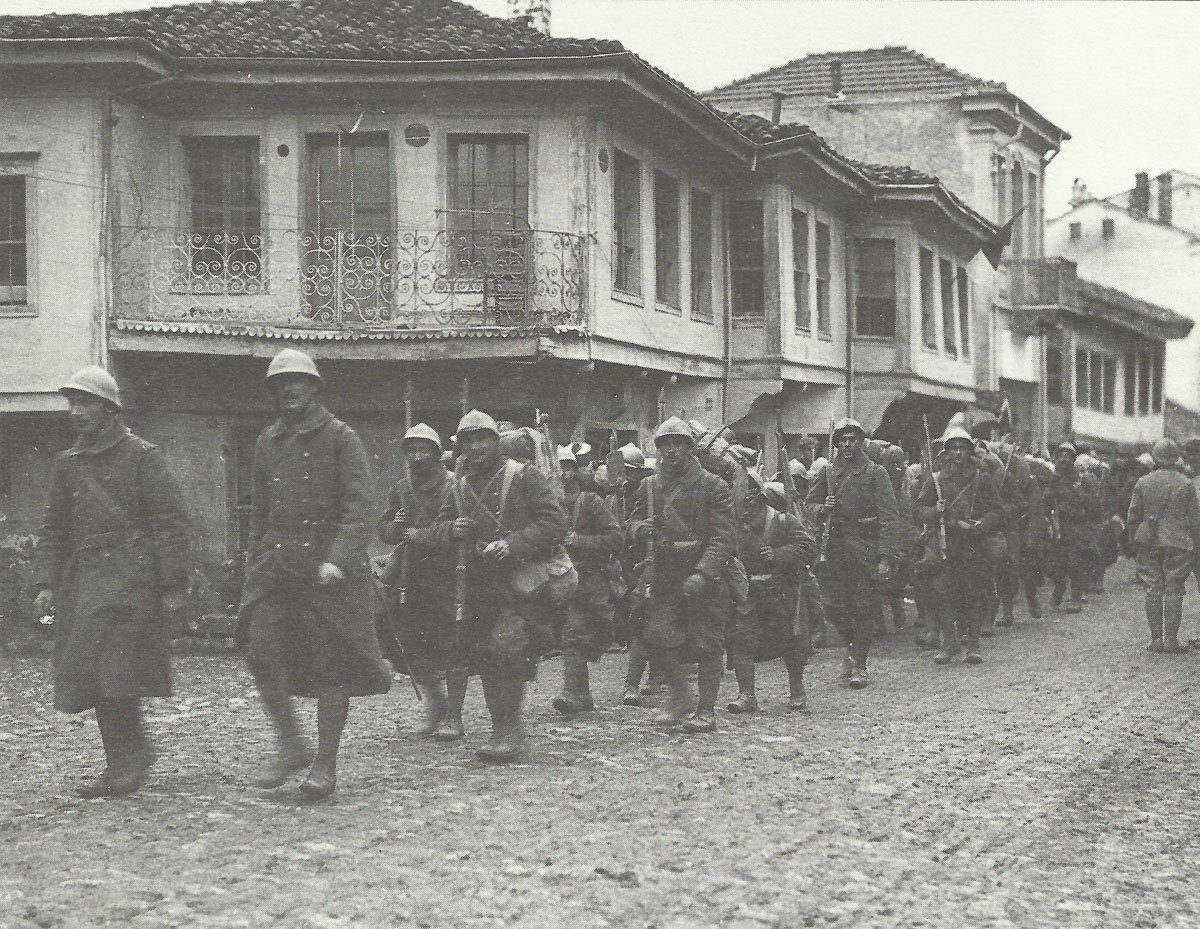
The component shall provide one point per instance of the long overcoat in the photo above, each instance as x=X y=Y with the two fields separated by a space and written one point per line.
x=311 y=505
x=115 y=539
x=866 y=521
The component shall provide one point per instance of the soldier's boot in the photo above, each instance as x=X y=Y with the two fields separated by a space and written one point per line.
x=847 y=669
x=680 y=701
x=575 y=696
x=797 y=696
x=899 y=619
x=451 y=727
x=858 y=676
x=635 y=666
x=1154 y=616
x=1006 y=617
x=508 y=732
x=333 y=706
x=1172 y=619
x=743 y=670
x=111 y=736
x=704 y=719
x=293 y=753
x=137 y=754
x=926 y=628
x=974 y=622
x=1032 y=601
x=1059 y=591
x=951 y=646
x=433 y=705
x=987 y=616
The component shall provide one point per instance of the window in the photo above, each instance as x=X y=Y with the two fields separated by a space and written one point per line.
x=1130 y=384
x=666 y=239
x=1081 y=377
x=702 y=241
x=1156 y=382
x=1054 y=374
x=1095 y=380
x=627 y=223
x=800 y=255
x=1000 y=171
x=1143 y=365
x=964 y=309
x=929 y=336
x=1018 y=200
x=346 y=250
x=1108 y=228
x=225 y=238
x=1110 y=384
x=824 y=278
x=1032 y=215
x=875 y=283
x=747 y=258
x=1076 y=231
x=14 y=245
x=947 y=282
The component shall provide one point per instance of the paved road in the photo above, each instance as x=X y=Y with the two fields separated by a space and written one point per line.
x=1055 y=785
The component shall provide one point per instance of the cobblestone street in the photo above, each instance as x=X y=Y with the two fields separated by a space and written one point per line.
x=1052 y=786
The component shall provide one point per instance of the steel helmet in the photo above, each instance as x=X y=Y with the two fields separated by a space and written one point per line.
x=292 y=361
x=756 y=479
x=775 y=495
x=580 y=449
x=847 y=424
x=651 y=464
x=566 y=454
x=1165 y=452
x=632 y=456
x=476 y=421
x=1146 y=460
x=797 y=470
x=674 y=426
x=94 y=381
x=424 y=432
x=1066 y=447
x=956 y=433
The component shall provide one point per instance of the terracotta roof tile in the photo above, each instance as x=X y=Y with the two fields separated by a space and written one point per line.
x=380 y=30
x=1128 y=311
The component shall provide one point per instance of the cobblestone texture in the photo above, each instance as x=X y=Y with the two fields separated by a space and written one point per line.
x=1052 y=786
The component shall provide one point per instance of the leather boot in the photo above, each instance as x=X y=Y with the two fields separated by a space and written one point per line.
x=1154 y=616
x=1031 y=599
x=680 y=701
x=113 y=736
x=899 y=619
x=451 y=728
x=433 y=705
x=1006 y=614
x=743 y=671
x=1172 y=619
x=797 y=696
x=575 y=696
x=503 y=694
x=847 y=669
x=321 y=780
x=1059 y=591
x=333 y=706
x=709 y=680
x=951 y=647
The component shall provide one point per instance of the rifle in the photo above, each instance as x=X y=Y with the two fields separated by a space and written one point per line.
x=823 y=545
x=940 y=517
x=402 y=587
x=799 y=614
x=543 y=424
x=652 y=556
x=614 y=464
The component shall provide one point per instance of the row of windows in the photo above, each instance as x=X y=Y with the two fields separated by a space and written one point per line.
x=945 y=294
x=1108 y=229
x=1096 y=380
x=1016 y=188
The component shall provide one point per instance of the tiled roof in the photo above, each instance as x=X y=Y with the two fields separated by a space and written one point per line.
x=871 y=71
x=1129 y=312
x=378 y=30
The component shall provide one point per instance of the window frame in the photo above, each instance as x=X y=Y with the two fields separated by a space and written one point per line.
x=962 y=296
x=930 y=339
x=946 y=291
x=802 y=303
x=1054 y=375
x=748 y=263
x=23 y=165
x=628 y=254
x=700 y=257
x=1108 y=228
x=823 y=243
x=673 y=272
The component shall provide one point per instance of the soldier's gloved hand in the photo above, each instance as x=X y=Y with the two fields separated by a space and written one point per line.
x=401 y=516
x=830 y=502
x=461 y=529
x=172 y=601
x=694 y=585
x=329 y=573
x=44 y=601
x=497 y=550
x=767 y=553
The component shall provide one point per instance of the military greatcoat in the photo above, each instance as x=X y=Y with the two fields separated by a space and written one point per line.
x=593 y=540
x=115 y=538
x=311 y=505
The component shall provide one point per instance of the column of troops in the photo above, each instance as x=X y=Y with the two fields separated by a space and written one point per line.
x=515 y=548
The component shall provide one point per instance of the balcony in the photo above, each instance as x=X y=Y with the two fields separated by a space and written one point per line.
x=339 y=280
x=1037 y=289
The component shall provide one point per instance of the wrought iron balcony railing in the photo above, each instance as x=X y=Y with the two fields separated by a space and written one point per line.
x=333 y=279
x=1041 y=282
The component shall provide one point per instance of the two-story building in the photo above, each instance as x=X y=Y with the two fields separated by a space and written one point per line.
x=447 y=210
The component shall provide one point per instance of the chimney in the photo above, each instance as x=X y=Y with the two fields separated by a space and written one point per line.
x=1079 y=192
x=1164 y=198
x=777 y=97
x=835 y=78
x=534 y=13
x=1139 y=201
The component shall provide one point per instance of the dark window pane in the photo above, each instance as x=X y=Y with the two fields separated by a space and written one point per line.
x=1081 y=377
x=875 y=285
x=947 y=286
x=964 y=309
x=1054 y=375
x=666 y=239
x=701 y=228
x=627 y=223
x=824 y=273
x=800 y=256
x=1110 y=384
x=928 y=305
x=747 y=258
x=1144 y=378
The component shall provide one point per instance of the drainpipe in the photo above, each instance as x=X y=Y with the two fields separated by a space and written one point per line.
x=106 y=233
x=846 y=266
x=728 y=288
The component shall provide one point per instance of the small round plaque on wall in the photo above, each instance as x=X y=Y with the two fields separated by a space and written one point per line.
x=416 y=134
x=603 y=158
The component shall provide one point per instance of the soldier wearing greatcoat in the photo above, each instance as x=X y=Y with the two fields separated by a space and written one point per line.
x=419 y=579
x=113 y=563
x=776 y=548
x=594 y=539
x=1021 y=497
x=1074 y=506
x=684 y=515
x=965 y=498
x=504 y=522
x=864 y=542
x=305 y=620
x=1164 y=522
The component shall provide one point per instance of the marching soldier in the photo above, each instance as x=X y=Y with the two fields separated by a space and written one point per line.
x=305 y=619
x=684 y=515
x=1164 y=521
x=1073 y=501
x=963 y=496
x=855 y=496
x=504 y=520
x=113 y=563
x=593 y=539
x=1021 y=498
x=420 y=584
x=777 y=549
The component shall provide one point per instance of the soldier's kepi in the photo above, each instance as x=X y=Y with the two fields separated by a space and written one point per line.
x=687 y=515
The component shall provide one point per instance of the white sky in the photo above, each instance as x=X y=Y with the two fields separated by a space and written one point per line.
x=1122 y=78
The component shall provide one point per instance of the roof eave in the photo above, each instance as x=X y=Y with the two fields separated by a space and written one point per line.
x=970 y=222
x=96 y=50
x=809 y=144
